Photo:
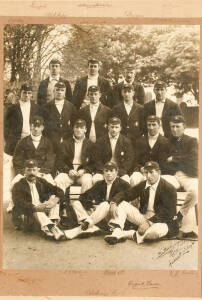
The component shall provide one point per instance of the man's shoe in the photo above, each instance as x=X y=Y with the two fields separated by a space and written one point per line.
x=72 y=233
x=89 y=232
x=84 y=225
x=190 y=236
x=47 y=232
x=57 y=233
x=115 y=237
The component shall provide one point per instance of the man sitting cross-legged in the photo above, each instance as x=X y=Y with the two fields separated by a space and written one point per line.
x=35 y=197
x=97 y=199
x=156 y=213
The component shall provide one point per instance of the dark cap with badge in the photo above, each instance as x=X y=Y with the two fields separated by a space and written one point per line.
x=110 y=166
x=93 y=88
x=60 y=84
x=159 y=84
x=30 y=163
x=80 y=123
x=37 y=121
x=151 y=165
x=93 y=60
x=127 y=86
x=54 y=62
x=114 y=121
x=178 y=119
x=153 y=118
x=26 y=87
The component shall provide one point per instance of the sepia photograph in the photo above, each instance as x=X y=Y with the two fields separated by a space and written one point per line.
x=101 y=134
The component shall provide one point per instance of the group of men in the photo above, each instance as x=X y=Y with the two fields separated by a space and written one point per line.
x=103 y=152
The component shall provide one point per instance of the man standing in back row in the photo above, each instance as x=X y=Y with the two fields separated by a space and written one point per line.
x=80 y=98
x=46 y=87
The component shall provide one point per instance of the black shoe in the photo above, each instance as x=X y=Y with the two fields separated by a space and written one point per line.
x=84 y=225
x=190 y=236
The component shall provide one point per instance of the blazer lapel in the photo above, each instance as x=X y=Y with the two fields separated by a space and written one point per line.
x=19 y=112
x=108 y=149
x=113 y=188
x=133 y=110
x=98 y=111
x=165 y=108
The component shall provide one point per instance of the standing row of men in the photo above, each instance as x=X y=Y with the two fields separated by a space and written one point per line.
x=73 y=145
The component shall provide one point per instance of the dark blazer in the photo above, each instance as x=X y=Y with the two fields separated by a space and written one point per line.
x=42 y=91
x=164 y=203
x=97 y=194
x=139 y=95
x=65 y=159
x=80 y=90
x=184 y=154
x=58 y=126
x=44 y=155
x=101 y=119
x=13 y=123
x=22 y=198
x=124 y=154
x=170 y=109
x=132 y=124
x=144 y=153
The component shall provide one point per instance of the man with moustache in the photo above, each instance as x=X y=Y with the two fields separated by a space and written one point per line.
x=95 y=114
x=35 y=197
x=82 y=85
x=94 y=205
x=46 y=87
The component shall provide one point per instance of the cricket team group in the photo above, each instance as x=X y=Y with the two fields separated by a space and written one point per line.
x=101 y=154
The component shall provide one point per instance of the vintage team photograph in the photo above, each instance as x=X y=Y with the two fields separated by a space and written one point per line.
x=101 y=134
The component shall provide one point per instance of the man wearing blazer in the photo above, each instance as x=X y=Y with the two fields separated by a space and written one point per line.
x=46 y=87
x=37 y=147
x=155 y=217
x=162 y=107
x=113 y=147
x=130 y=113
x=74 y=162
x=37 y=198
x=151 y=147
x=97 y=200
x=59 y=116
x=182 y=168
x=95 y=114
x=17 y=119
x=139 y=93
x=93 y=78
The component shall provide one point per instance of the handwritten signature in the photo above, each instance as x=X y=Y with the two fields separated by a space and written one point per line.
x=147 y=284
x=175 y=251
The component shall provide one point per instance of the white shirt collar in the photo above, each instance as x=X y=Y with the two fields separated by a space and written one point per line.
x=129 y=104
x=22 y=103
x=113 y=138
x=59 y=102
x=54 y=78
x=162 y=101
x=110 y=182
x=93 y=77
x=94 y=105
x=36 y=138
x=153 y=137
x=78 y=141
x=153 y=186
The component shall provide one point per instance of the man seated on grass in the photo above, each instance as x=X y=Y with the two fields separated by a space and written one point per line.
x=36 y=198
x=155 y=217
x=97 y=202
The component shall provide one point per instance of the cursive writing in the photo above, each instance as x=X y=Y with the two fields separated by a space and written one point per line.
x=147 y=284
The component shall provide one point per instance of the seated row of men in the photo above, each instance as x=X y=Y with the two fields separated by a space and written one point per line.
x=79 y=160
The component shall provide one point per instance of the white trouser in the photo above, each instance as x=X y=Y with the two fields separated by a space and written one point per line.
x=98 y=213
x=189 y=184
x=43 y=219
x=63 y=181
x=136 y=178
x=8 y=175
x=47 y=177
x=128 y=212
x=99 y=177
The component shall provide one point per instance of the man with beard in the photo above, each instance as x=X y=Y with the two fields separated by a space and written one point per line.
x=35 y=197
